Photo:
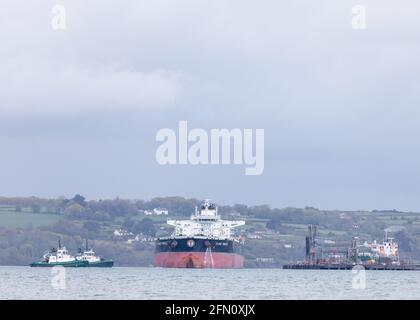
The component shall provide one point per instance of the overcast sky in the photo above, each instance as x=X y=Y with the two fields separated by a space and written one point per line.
x=80 y=107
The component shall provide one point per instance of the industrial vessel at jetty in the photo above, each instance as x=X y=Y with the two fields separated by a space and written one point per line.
x=204 y=241
x=370 y=256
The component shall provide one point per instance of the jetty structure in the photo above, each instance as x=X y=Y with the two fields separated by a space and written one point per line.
x=376 y=255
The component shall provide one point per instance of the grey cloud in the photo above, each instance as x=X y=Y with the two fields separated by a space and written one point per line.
x=339 y=106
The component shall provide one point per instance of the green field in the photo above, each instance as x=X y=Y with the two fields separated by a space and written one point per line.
x=24 y=219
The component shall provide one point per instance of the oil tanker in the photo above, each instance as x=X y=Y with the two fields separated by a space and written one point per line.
x=204 y=241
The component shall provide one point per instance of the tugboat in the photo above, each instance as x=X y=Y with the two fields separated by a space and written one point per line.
x=59 y=257
x=88 y=255
x=204 y=241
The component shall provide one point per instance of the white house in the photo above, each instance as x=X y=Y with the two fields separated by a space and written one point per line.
x=156 y=212
x=122 y=233
x=160 y=211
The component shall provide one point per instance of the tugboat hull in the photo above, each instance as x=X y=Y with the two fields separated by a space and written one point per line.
x=69 y=264
x=101 y=264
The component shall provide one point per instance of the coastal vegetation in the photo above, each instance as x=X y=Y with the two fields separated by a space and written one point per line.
x=29 y=226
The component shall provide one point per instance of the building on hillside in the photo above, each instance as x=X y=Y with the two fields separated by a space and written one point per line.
x=156 y=212
x=122 y=233
x=161 y=211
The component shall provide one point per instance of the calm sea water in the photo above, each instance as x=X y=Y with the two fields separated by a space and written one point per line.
x=157 y=283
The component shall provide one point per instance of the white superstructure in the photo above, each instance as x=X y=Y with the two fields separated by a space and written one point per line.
x=205 y=222
x=387 y=248
x=88 y=256
x=60 y=255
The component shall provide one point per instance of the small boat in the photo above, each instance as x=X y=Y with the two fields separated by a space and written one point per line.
x=89 y=256
x=59 y=257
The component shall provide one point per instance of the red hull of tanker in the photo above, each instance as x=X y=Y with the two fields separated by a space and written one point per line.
x=198 y=260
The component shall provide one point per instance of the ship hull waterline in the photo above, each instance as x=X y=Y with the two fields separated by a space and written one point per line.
x=218 y=260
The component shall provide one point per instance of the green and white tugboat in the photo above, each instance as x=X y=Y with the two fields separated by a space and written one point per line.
x=59 y=257
x=89 y=256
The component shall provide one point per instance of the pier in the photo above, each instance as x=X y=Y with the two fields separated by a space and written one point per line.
x=344 y=266
x=374 y=256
